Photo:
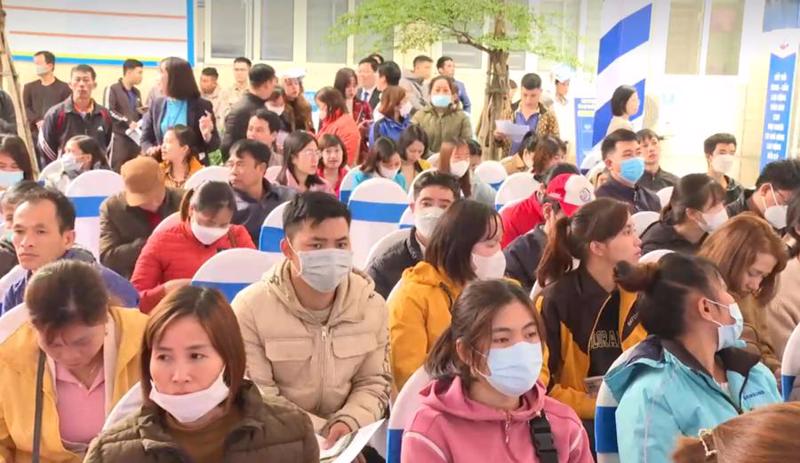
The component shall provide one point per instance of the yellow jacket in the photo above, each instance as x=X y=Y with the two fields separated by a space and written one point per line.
x=419 y=311
x=18 y=362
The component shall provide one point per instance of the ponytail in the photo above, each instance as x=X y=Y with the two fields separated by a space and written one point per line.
x=557 y=257
x=185 y=203
x=440 y=361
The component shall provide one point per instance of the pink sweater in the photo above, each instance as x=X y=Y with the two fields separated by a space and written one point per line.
x=450 y=427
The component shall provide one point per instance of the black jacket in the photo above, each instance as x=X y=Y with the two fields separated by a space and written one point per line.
x=123 y=148
x=661 y=235
x=251 y=212
x=8 y=118
x=741 y=204
x=62 y=122
x=659 y=181
x=523 y=256
x=387 y=269
x=196 y=108
x=639 y=199
x=237 y=120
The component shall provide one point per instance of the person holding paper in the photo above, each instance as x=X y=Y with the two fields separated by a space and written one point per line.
x=531 y=113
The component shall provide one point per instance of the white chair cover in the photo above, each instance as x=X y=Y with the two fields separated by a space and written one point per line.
x=790 y=367
x=407 y=219
x=654 y=256
x=492 y=173
x=232 y=270
x=346 y=188
x=269 y=241
x=517 y=186
x=376 y=206
x=87 y=192
x=50 y=169
x=207 y=174
x=665 y=194
x=642 y=220
x=403 y=410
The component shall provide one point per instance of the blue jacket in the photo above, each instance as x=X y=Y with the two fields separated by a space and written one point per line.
x=118 y=287
x=466 y=105
x=387 y=127
x=360 y=177
x=663 y=393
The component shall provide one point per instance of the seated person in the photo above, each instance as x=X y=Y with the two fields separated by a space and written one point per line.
x=129 y=217
x=172 y=256
x=696 y=208
x=82 y=153
x=776 y=184
x=256 y=197
x=485 y=368
x=332 y=162
x=44 y=232
x=413 y=146
x=300 y=160
x=178 y=161
x=522 y=160
x=565 y=194
x=623 y=159
x=455 y=159
x=720 y=150
x=196 y=398
x=314 y=329
x=383 y=161
x=433 y=194
x=15 y=162
x=9 y=201
x=87 y=352
x=654 y=178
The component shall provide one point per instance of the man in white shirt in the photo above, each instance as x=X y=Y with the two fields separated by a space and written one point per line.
x=367 y=82
x=564 y=107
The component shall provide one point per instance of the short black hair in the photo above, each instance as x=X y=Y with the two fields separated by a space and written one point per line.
x=611 y=140
x=244 y=60
x=558 y=169
x=65 y=211
x=648 y=134
x=315 y=206
x=131 y=64
x=391 y=71
x=782 y=175
x=718 y=138
x=261 y=73
x=434 y=178
x=257 y=150
x=371 y=61
x=210 y=72
x=619 y=100
x=531 y=81
x=49 y=58
x=422 y=59
x=84 y=68
x=475 y=148
x=19 y=192
x=273 y=120
x=442 y=61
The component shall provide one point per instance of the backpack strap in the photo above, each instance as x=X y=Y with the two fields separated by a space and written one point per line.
x=542 y=437
x=37 y=414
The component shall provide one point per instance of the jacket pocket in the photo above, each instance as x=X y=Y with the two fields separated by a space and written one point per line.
x=290 y=358
x=349 y=352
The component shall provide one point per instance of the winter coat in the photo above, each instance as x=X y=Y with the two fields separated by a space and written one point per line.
x=442 y=124
x=237 y=120
x=387 y=269
x=123 y=148
x=756 y=332
x=346 y=129
x=196 y=109
x=638 y=199
x=661 y=235
x=389 y=128
x=251 y=212
x=523 y=256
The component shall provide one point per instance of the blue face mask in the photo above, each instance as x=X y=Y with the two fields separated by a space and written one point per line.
x=441 y=101
x=728 y=335
x=632 y=169
x=514 y=370
x=10 y=178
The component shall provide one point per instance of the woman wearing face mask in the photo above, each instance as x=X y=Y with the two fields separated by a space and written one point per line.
x=696 y=208
x=73 y=360
x=624 y=104
x=81 y=154
x=179 y=162
x=454 y=159
x=197 y=404
x=172 y=256
x=336 y=120
x=465 y=246
x=383 y=161
x=688 y=375
x=300 y=163
x=750 y=256
x=15 y=163
x=484 y=398
x=347 y=83
x=332 y=163
x=589 y=320
x=395 y=109
x=413 y=146
x=443 y=119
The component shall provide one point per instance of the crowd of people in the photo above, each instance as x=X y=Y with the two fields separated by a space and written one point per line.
x=518 y=319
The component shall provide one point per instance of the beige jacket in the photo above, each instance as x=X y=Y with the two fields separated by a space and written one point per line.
x=756 y=333
x=336 y=372
x=783 y=313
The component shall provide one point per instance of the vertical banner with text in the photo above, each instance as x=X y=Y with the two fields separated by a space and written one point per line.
x=584 y=128
x=778 y=110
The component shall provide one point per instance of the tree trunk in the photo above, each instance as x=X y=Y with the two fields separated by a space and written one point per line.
x=496 y=103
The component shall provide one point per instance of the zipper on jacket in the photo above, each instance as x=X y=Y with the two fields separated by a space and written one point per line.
x=717 y=388
x=324 y=360
x=506 y=427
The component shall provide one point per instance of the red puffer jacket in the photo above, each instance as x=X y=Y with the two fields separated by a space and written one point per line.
x=175 y=253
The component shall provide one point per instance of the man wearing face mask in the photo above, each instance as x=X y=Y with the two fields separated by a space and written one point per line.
x=623 y=159
x=776 y=184
x=720 y=150
x=315 y=331
x=45 y=92
x=433 y=194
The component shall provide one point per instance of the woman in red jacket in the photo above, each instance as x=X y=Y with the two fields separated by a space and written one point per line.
x=335 y=119
x=171 y=257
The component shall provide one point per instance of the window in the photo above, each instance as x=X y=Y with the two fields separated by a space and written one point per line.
x=277 y=30
x=364 y=45
x=725 y=37
x=465 y=56
x=227 y=41
x=781 y=14
x=321 y=16
x=563 y=29
x=684 y=39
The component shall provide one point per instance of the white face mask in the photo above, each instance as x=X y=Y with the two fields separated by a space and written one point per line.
x=425 y=220
x=459 y=168
x=405 y=109
x=723 y=163
x=324 y=269
x=207 y=235
x=188 y=408
x=69 y=163
x=714 y=221
x=489 y=268
x=387 y=173
x=775 y=215
x=41 y=69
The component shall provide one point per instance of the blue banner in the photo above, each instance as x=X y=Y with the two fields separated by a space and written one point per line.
x=778 y=108
x=584 y=127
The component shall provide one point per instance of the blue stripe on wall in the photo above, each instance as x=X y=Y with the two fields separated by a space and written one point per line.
x=627 y=34
x=605 y=429
x=72 y=60
x=377 y=212
x=230 y=290
x=602 y=117
x=270 y=239
x=87 y=206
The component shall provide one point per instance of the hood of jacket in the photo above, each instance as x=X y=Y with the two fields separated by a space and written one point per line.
x=426 y=274
x=662 y=235
x=392 y=128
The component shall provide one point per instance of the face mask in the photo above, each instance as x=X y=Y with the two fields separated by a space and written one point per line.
x=514 y=370
x=425 y=220
x=632 y=169
x=208 y=235
x=775 y=215
x=441 y=101
x=324 y=269
x=714 y=221
x=276 y=109
x=387 y=173
x=69 y=163
x=188 y=408
x=406 y=108
x=459 y=168
x=489 y=268
x=727 y=335
x=723 y=163
x=10 y=178
x=41 y=69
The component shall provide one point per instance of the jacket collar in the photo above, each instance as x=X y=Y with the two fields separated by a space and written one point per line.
x=732 y=358
x=413 y=246
x=269 y=192
x=69 y=106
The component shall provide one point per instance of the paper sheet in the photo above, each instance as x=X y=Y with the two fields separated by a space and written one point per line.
x=514 y=131
x=346 y=449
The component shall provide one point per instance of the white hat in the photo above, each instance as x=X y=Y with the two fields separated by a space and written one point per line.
x=563 y=73
x=294 y=73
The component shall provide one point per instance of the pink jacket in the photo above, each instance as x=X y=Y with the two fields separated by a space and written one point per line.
x=450 y=427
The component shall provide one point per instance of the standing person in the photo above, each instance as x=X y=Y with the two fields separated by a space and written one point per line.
x=332 y=162
x=77 y=115
x=443 y=119
x=334 y=119
x=293 y=93
x=42 y=94
x=688 y=375
x=262 y=83
x=395 y=109
x=447 y=67
x=264 y=127
x=720 y=150
x=125 y=100
x=346 y=83
x=367 y=82
x=241 y=71
x=87 y=351
x=211 y=91
x=178 y=161
x=413 y=82
x=180 y=105
x=300 y=160
x=383 y=161
x=531 y=112
x=389 y=75
x=454 y=159
x=128 y=218
x=775 y=186
x=81 y=154
x=654 y=178
x=625 y=165
x=484 y=403
x=413 y=146
x=624 y=104
x=564 y=108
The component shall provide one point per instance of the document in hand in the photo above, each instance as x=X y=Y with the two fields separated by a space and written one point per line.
x=346 y=449
x=514 y=131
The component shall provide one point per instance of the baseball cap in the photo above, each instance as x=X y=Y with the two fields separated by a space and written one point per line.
x=144 y=181
x=571 y=191
x=563 y=73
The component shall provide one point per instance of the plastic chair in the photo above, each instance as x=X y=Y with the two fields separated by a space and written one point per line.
x=654 y=256
x=517 y=186
x=405 y=406
x=50 y=169
x=232 y=270
x=491 y=172
x=167 y=222
x=87 y=192
x=605 y=419
x=385 y=243
x=272 y=173
x=790 y=367
x=269 y=241
x=642 y=220
x=508 y=205
x=207 y=174
x=665 y=194
x=407 y=219
x=376 y=206
x=346 y=188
